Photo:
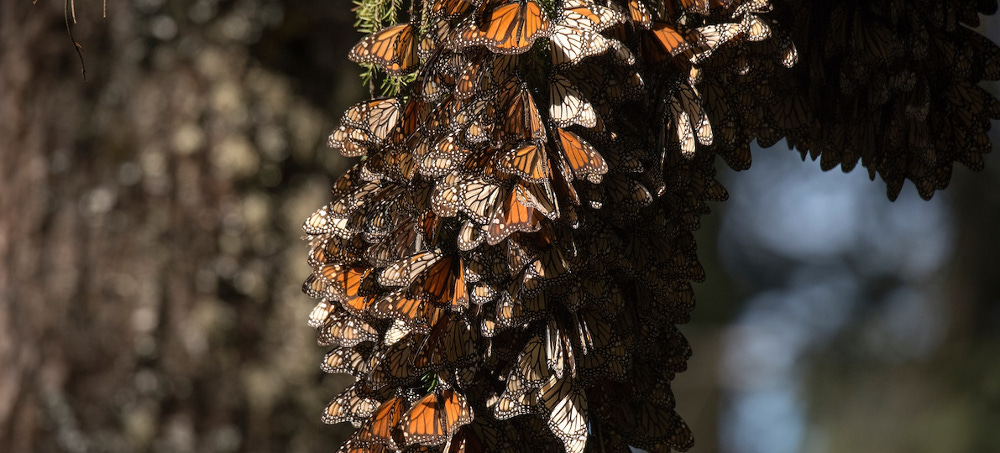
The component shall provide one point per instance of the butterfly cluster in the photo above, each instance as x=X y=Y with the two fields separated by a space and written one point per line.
x=892 y=84
x=506 y=266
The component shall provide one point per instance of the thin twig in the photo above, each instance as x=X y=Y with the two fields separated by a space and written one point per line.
x=69 y=30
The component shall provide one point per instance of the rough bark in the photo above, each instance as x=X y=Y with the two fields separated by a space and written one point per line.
x=149 y=295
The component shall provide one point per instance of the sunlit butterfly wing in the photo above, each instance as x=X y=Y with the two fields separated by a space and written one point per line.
x=435 y=418
x=513 y=217
x=393 y=49
x=508 y=28
x=349 y=407
x=403 y=272
x=583 y=159
x=567 y=105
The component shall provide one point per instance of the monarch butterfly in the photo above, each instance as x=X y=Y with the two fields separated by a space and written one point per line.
x=393 y=49
x=355 y=445
x=756 y=29
x=539 y=196
x=436 y=33
x=518 y=256
x=431 y=84
x=507 y=28
x=639 y=14
x=315 y=287
x=672 y=40
x=445 y=282
x=584 y=161
x=318 y=222
x=397 y=364
x=567 y=105
x=445 y=201
x=344 y=283
x=371 y=213
x=469 y=236
x=611 y=362
x=346 y=331
x=513 y=217
x=554 y=389
x=396 y=163
x=724 y=128
x=471 y=80
x=452 y=8
x=379 y=218
x=346 y=183
x=440 y=118
x=488 y=73
x=413 y=116
x=435 y=418
x=365 y=126
x=570 y=45
x=628 y=194
x=400 y=243
x=349 y=407
x=384 y=421
x=416 y=312
x=479 y=198
x=444 y=157
x=319 y=313
x=475 y=118
x=747 y=6
x=516 y=400
x=528 y=161
x=482 y=293
x=517 y=311
x=451 y=342
x=523 y=121
x=711 y=37
x=563 y=183
x=701 y=7
x=559 y=356
x=550 y=267
x=403 y=272
x=346 y=361
x=532 y=367
x=690 y=122
x=599 y=16
x=478 y=437
x=351 y=142
x=568 y=421
x=576 y=33
x=595 y=331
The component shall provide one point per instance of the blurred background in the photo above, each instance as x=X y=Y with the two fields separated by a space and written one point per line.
x=151 y=256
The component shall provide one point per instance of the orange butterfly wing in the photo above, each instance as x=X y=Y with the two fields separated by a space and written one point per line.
x=528 y=162
x=639 y=13
x=445 y=283
x=582 y=158
x=514 y=217
x=523 y=120
x=385 y=419
x=510 y=28
x=670 y=39
x=435 y=418
x=393 y=49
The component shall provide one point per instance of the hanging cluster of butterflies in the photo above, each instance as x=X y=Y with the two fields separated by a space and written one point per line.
x=891 y=83
x=505 y=267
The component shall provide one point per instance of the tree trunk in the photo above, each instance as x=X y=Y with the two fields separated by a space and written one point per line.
x=149 y=225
